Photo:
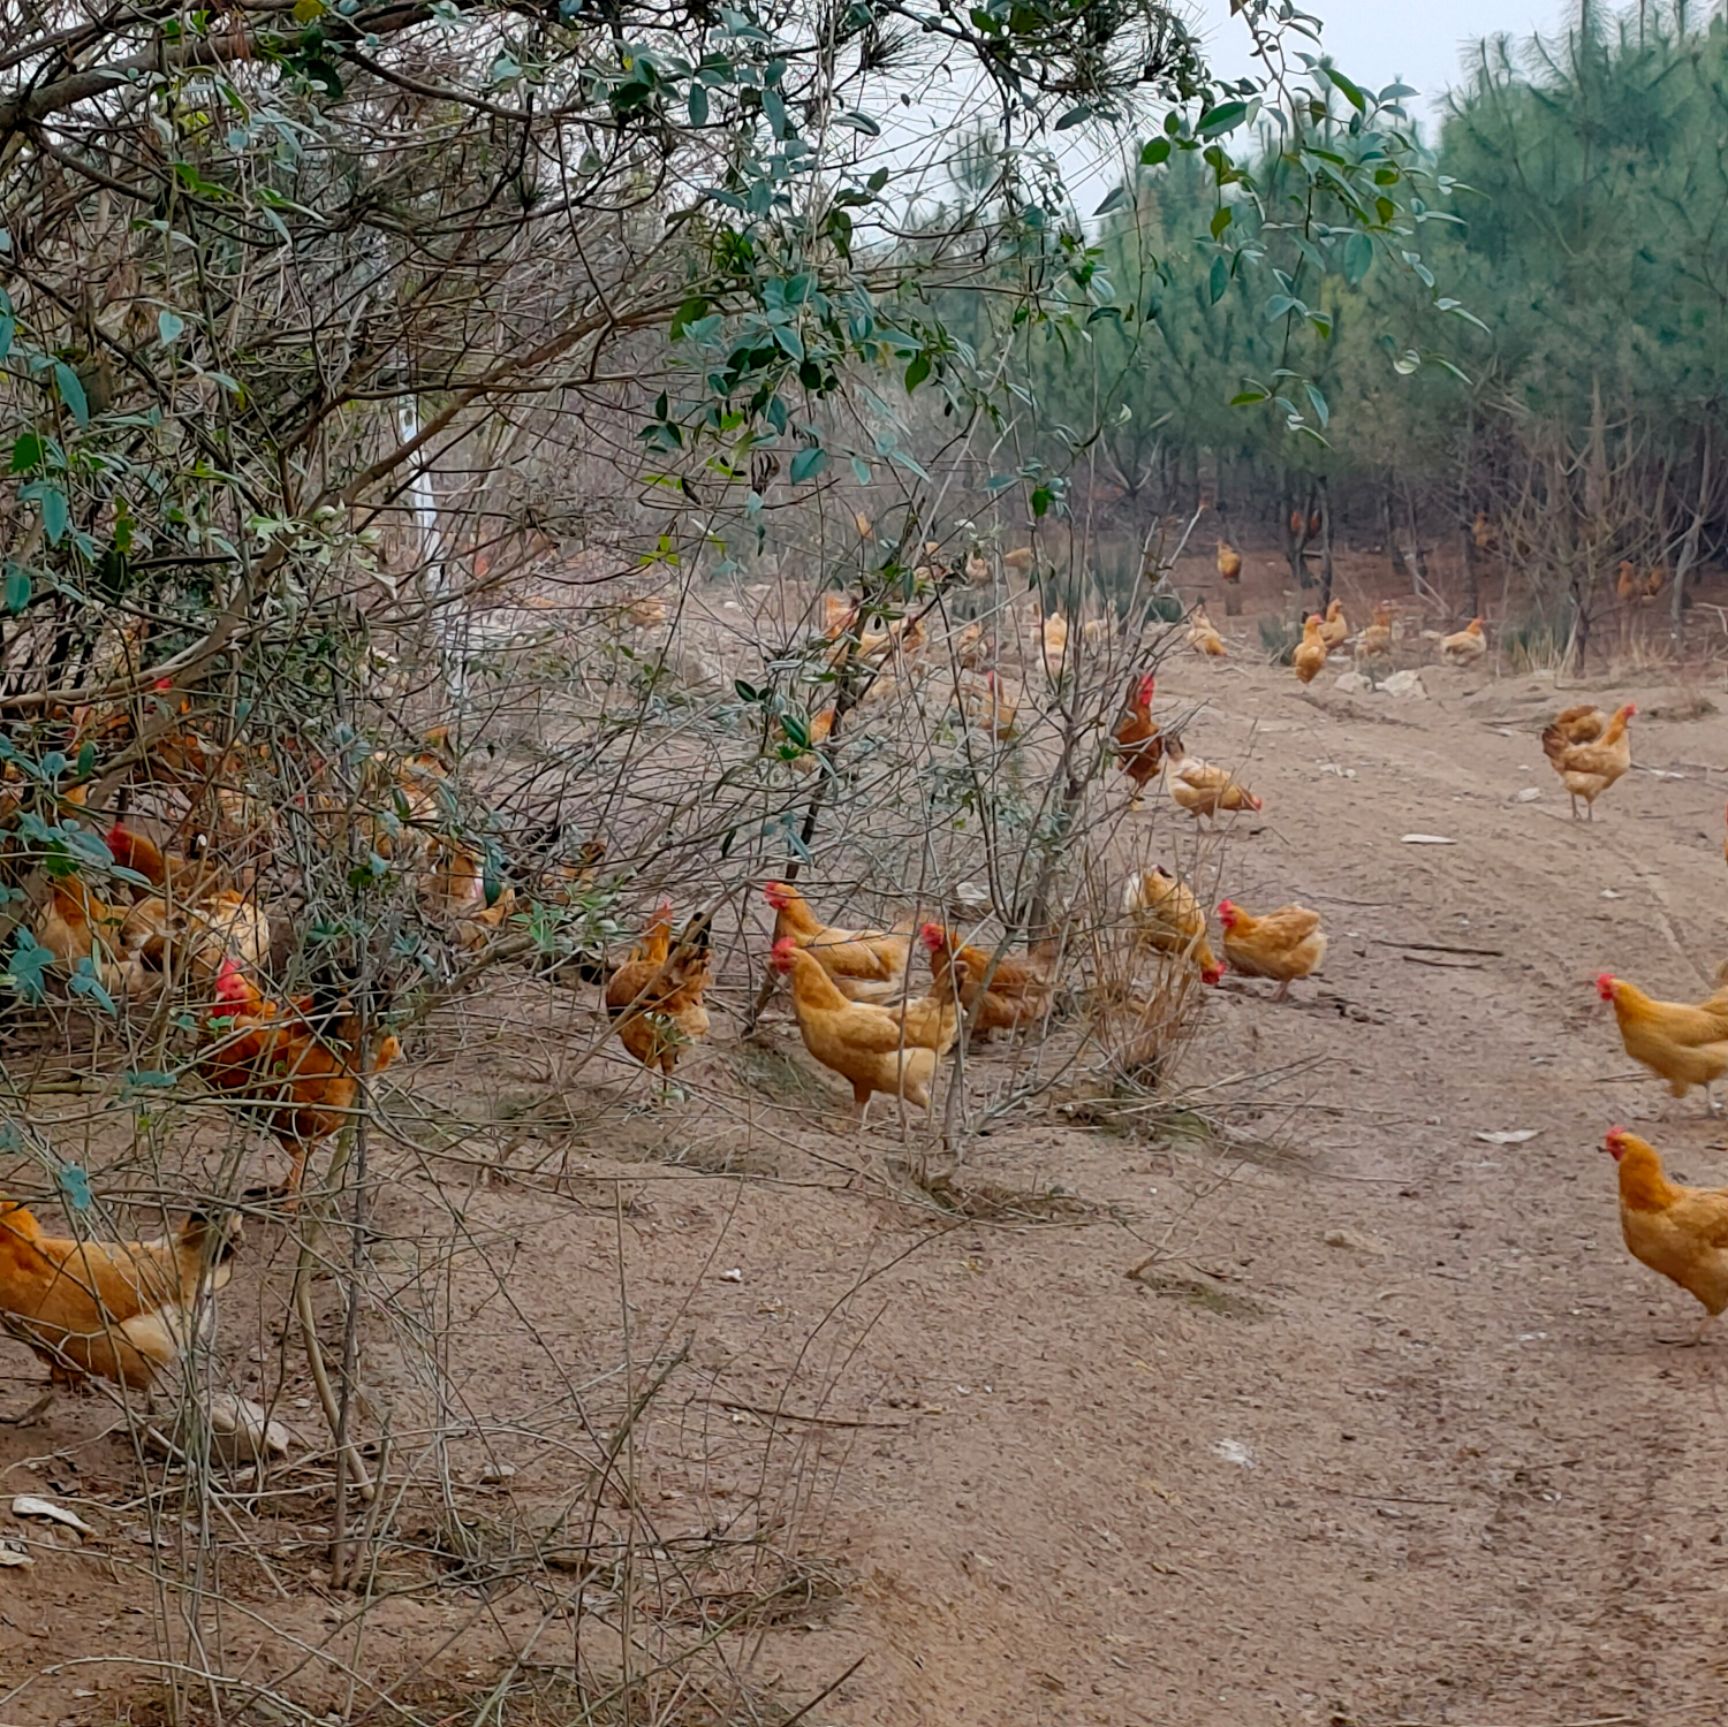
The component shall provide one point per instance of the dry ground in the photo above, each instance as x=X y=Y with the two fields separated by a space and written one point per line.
x=1386 y=1434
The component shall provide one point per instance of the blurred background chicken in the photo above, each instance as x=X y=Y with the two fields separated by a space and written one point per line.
x=1309 y=654
x=1229 y=562
x=1466 y=647
x=1334 y=627
x=1202 y=637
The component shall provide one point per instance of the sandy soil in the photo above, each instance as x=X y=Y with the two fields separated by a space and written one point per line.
x=1386 y=1434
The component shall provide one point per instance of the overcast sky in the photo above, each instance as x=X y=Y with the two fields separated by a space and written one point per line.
x=1376 y=41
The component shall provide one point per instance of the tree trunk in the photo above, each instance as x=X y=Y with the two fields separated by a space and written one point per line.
x=1325 y=498
x=1687 y=557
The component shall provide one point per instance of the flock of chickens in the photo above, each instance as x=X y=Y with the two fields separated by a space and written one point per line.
x=124 y=1311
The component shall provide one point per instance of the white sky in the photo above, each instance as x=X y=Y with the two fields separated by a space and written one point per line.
x=1375 y=42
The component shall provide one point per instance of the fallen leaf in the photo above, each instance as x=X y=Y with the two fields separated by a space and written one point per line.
x=1508 y=1136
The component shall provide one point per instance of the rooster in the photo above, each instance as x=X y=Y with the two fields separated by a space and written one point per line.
x=1139 y=743
x=301 y=1069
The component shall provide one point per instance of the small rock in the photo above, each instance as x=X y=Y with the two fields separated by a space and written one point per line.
x=494 y=1474
x=735 y=1275
x=1354 y=1242
x=1234 y=1451
x=1529 y=795
x=1354 y=684
x=27 y=1505
x=1406 y=686
x=13 y=1553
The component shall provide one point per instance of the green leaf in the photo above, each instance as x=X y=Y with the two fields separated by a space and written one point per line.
x=1226 y=117
x=72 y=392
x=168 y=328
x=1358 y=258
x=1075 y=117
x=1155 y=152
x=1042 y=499
x=918 y=371
x=1113 y=200
x=27 y=451
x=774 y=106
x=859 y=123
x=17 y=594
x=746 y=692
x=1218 y=280
x=1222 y=217
x=1350 y=92
x=1247 y=398
x=693 y=309
x=28 y=965
x=698 y=105
x=1322 y=412
x=861 y=470
x=807 y=464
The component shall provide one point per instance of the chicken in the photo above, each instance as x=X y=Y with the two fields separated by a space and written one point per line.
x=1286 y=944
x=1682 y=1044
x=1587 y=769
x=1138 y=739
x=1167 y=918
x=866 y=965
x=1681 y=1232
x=1055 y=645
x=866 y=1044
x=991 y=706
x=1483 y=533
x=1200 y=788
x=1019 y=559
x=815 y=729
x=119 y=1310
x=655 y=998
x=1654 y=581
x=1298 y=528
x=1229 y=562
x=1309 y=655
x=1315 y=523
x=1628 y=585
x=839 y=614
x=301 y=1069
x=1579 y=725
x=457 y=891
x=1202 y=637
x=1466 y=647
x=1334 y=627
x=1375 y=642
x=1005 y=996
x=933 y=1019
x=78 y=926
x=180 y=879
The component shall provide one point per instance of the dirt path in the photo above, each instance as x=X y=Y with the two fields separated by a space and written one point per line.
x=1417 y=1455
